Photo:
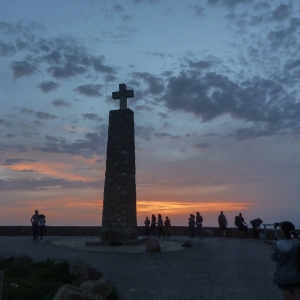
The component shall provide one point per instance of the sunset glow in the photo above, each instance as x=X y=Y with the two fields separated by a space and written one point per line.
x=216 y=107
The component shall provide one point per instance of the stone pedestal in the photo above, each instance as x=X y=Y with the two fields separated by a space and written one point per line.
x=119 y=203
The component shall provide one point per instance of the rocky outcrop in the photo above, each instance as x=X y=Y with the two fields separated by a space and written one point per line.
x=70 y=292
x=94 y=286
x=81 y=269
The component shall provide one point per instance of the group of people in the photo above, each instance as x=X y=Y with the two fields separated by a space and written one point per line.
x=240 y=223
x=38 y=223
x=150 y=226
x=164 y=227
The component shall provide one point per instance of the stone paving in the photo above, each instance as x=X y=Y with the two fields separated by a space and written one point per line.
x=214 y=268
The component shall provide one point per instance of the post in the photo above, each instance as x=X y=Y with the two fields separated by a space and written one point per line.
x=1 y=283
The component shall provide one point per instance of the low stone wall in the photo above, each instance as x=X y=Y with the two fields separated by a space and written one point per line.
x=96 y=231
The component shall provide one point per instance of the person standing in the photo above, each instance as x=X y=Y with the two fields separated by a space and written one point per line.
x=35 y=225
x=285 y=253
x=192 y=225
x=222 y=224
x=160 y=225
x=241 y=225
x=153 y=225
x=147 y=226
x=168 y=226
x=199 y=220
x=42 y=225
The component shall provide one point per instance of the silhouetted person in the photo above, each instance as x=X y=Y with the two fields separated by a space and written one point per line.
x=153 y=225
x=222 y=224
x=256 y=227
x=192 y=225
x=285 y=253
x=160 y=225
x=147 y=226
x=35 y=224
x=240 y=223
x=42 y=225
x=199 y=221
x=168 y=226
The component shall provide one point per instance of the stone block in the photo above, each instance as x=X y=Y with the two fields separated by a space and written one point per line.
x=208 y=233
x=102 y=287
x=153 y=246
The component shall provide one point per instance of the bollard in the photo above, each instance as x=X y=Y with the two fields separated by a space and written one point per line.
x=1 y=284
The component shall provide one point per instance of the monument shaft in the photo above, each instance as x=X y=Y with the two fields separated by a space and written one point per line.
x=119 y=203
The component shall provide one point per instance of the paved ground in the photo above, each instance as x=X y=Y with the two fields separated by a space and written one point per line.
x=214 y=268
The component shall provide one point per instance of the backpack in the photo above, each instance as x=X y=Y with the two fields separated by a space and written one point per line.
x=237 y=221
x=222 y=219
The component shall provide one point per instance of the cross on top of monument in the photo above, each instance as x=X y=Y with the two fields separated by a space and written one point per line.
x=123 y=94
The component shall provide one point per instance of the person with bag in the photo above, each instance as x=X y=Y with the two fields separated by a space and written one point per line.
x=241 y=225
x=42 y=225
x=286 y=253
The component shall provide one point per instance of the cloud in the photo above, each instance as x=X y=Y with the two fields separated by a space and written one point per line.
x=44 y=116
x=5 y=123
x=20 y=184
x=229 y=3
x=144 y=132
x=203 y=145
x=61 y=103
x=66 y=71
x=282 y=12
x=26 y=111
x=126 y=18
x=163 y=115
x=118 y=8
x=47 y=86
x=15 y=161
x=90 y=90
x=7 y=49
x=22 y=68
x=155 y=85
x=92 y=117
x=93 y=144
x=292 y=64
x=279 y=36
x=199 y=10
x=110 y=78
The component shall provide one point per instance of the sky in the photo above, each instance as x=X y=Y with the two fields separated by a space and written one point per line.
x=216 y=107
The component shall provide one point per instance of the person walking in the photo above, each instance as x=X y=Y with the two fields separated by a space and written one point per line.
x=160 y=225
x=153 y=225
x=285 y=253
x=147 y=226
x=199 y=220
x=192 y=225
x=222 y=224
x=240 y=223
x=35 y=225
x=168 y=226
x=42 y=225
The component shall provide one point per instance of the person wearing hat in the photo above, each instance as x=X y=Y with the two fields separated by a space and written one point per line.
x=42 y=225
x=285 y=253
x=35 y=225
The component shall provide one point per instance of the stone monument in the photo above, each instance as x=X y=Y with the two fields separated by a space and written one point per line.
x=119 y=202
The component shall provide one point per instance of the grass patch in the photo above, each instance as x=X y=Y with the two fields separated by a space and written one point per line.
x=27 y=281
x=187 y=245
